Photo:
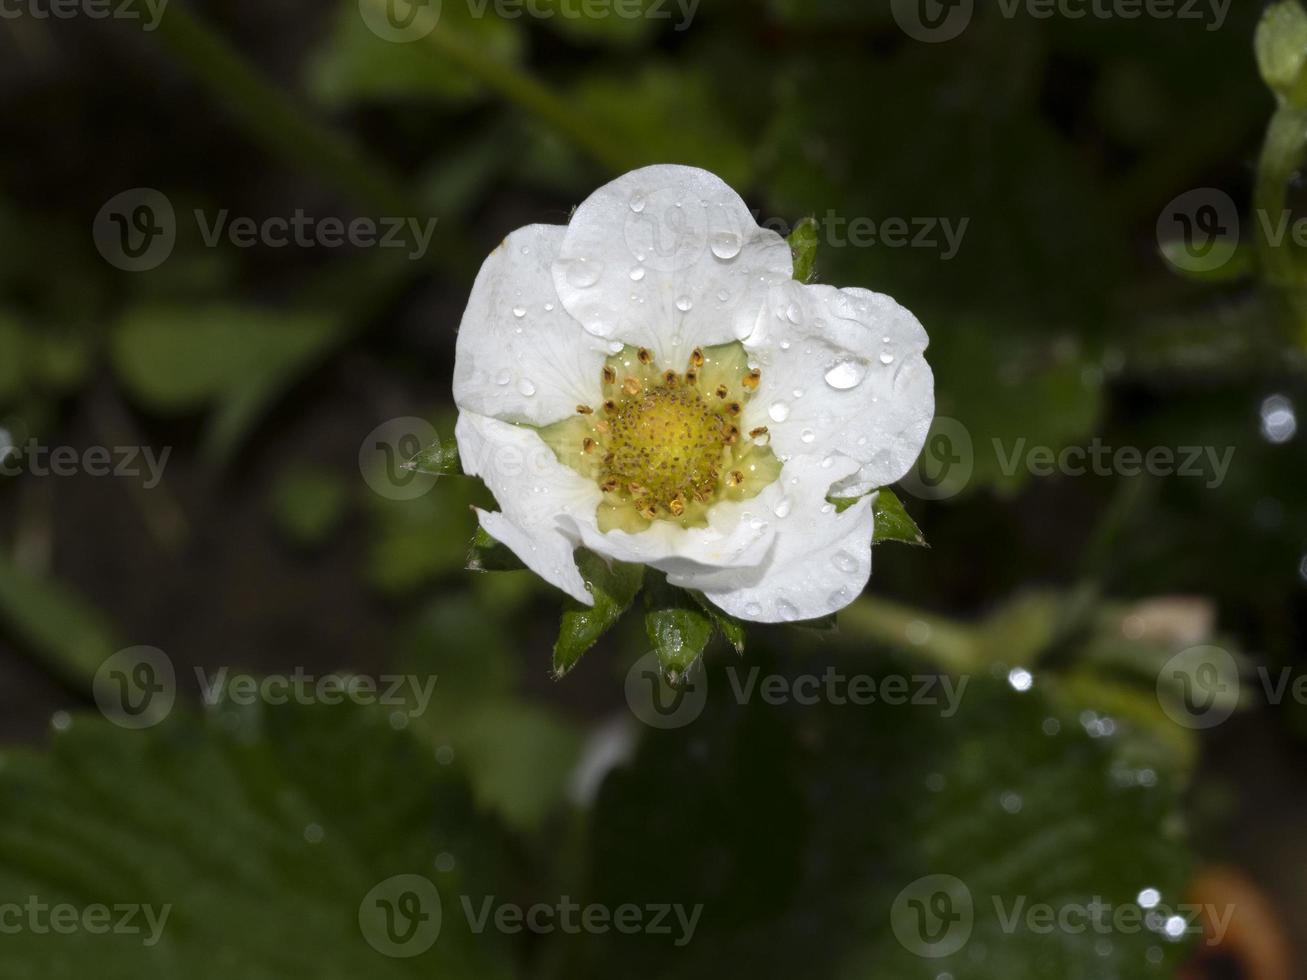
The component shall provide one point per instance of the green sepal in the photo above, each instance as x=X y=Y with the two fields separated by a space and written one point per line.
x=893 y=523
x=803 y=246
x=614 y=587
x=730 y=628
x=485 y=554
x=438 y=459
x=677 y=626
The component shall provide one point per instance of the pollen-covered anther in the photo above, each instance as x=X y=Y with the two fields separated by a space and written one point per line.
x=751 y=380
x=602 y=426
x=734 y=478
x=631 y=386
x=734 y=408
x=691 y=377
x=608 y=486
x=722 y=391
x=696 y=357
x=732 y=435
x=756 y=433
x=584 y=410
x=587 y=445
x=671 y=379
x=610 y=375
x=644 y=356
x=676 y=505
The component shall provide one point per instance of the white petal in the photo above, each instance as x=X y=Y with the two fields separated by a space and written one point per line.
x=668 y=258
x=536 y=495
x=820 y=560
x=520 y=357
x=843 y=370
x=738 y=536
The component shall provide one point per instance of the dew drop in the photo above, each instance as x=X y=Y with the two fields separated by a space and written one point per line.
x=519 y=311
x=846 y=374
x=887 y=358
x=808 y=435
x=793 y=313
x=724 y=296
x=526 y=387
x=637 y=273
x=844 y=561
x=783 y=508
x=583 y=273
x=753 y=610
x=684 y=304
x=549 y=307
x=779 y=411
x=787 y=610
x=638 y=201
x=503 y=378
x=726 y=245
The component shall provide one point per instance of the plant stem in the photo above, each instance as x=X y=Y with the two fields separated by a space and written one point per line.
x=950 y=644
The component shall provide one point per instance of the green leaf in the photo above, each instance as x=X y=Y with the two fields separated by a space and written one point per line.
x=1281 y=46
x=677 y=626
x=731 y=628
x=178 y=359
x=308 y=504
x=357 y=65
x=440 y=459
x=614 y=588
x=485 y=554
x=991 y=788
x=803 y=244
x=68 y=633
x=230 y=821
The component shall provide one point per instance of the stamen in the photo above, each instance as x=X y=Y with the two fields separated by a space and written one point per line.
x=735 y=479
x=696 y=357
x=734 y=408
x=722 y=391
x=632 y=386
x=644 y=355
x=587 y=445
x=610 y=375
x=760 y=431
x=750 y=380
x=584 y=410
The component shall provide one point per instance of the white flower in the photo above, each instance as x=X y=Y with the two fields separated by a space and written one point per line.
x=651 y=383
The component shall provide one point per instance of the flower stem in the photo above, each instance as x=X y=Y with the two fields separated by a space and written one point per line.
x=948 y=643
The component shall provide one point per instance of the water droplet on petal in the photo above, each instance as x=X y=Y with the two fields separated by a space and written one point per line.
x=845 y=562
x=787 y=610
x=684 y=304
x=724 y=296
x=503 y=377
x=549 y=307
x=519 y=311
x=584 y=273
x=887 y=358
x=846 y=374
x=808 y=435
x=793 y=313
x=726 y=245
x=638 y=201
x=637 y=273
x=779 y=411
x=783 y=508
x=753 y=609
x=526 y=387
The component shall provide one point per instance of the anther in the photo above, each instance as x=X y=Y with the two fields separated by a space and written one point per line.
x=733 y=408
x=584 y=410
x=644 y=355
x=632 y=386
x=751 y=379
x=696 y=357
x=735 y=479
x=676 y=505
x=610 y=375
x=602 y=425
x=608 y=486
x=670 y=379
x=721 y=391
x=587 y=445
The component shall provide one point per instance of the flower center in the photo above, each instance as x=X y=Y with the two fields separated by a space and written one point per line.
x=665 y=445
